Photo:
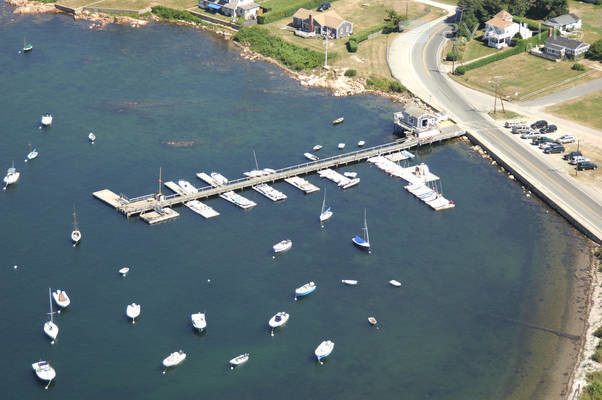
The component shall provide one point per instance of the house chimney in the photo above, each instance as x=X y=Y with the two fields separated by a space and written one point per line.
x=549 y=32
x=311 y=23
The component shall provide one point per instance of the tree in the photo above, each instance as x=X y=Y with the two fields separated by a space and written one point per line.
x=544 y=9
x=595 y=51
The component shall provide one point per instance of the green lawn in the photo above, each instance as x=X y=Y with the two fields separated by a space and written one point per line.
x=476 y=48
x=591 y=15
x=584 y=110
x=521 y=75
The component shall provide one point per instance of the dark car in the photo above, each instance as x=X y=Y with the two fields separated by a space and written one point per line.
x=539 y=124
x=569 y=156
x=554 y=149
x=324 y=7
x=542 y=139
x=549 y=129
x=586 y=165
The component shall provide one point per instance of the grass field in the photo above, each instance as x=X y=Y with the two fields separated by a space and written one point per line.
x=521 y=75
x=505 y=115
x=591 y=16
x=584 y=110
x=476 y=48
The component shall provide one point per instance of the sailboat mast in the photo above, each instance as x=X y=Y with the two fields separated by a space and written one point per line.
x=50 y=301
x=324 y=201
x=74 y=219
x=255 y=157
x=366 y=227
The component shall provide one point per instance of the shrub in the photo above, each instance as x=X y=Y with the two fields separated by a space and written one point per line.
x=172 y=14
x=350 y=72
x=460 y=70
x=595 y=51
x=363 y=35
x=351 y=46
x=597 y=357
x=451 y=56
x=385 y=85
x=578 y=67
x=291 y=55
x=598 y=332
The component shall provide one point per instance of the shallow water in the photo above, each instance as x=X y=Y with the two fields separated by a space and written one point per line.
x=440 y=335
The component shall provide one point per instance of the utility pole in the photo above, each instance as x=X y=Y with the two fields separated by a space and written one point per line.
x=326 y=52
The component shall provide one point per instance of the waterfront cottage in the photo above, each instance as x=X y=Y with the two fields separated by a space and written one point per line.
x=561 y=47
x=564 y=23
x=500 y=30
x=323 y=23
x=412 y=119
x=246 y=9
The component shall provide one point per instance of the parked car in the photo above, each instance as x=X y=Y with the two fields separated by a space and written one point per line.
x=586 y=165
x=539 y=124
x=530 y=134
x=549 y=129
x=546 y=144
x=324 y=7
x=513 y=123
x=554 y=149
x=569 y=156
x=520 y=129
x=541 y=139
x=577 y=159
x=566 y=139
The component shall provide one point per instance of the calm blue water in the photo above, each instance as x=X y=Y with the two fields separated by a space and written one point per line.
x=440 y=336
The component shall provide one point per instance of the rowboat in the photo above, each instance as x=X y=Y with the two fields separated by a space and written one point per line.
x=317 y=147
x=238 y=360
x=305 y=289
x=124 y=271
x=372 y=320
x=282 y=246
x=338 y=120
x=174 y=359
x=310 y=156
x=395 y=283
x=324 y=350
x=341 y=146
x=350 y=282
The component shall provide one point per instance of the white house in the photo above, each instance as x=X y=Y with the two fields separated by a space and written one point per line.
x=413 y=119
x=241 y=8
x=500 y=30
x=564 y=23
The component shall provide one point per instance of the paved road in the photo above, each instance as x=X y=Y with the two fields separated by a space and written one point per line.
x=567 y=94
x=581 y=205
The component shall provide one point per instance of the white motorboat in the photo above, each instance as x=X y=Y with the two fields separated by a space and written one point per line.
x=124 y=271
x=92 y=137
x=44 y=371
x=325 y=214
x=324 y=350
x=219 y=178
x=187 y=187
x=32 y=153
x=341 y=146
x=361 y=242
x=305 y=289
x=133 y=311
x=338 y=120
x=50 y=328
x=317 y=147
x=46 y=120
x=395 y=283
x=238 y=360
x=351 y=175
x=269 y=171
x=351 y=183
x=198 y=321
x=174 y=359
x=76 y=235
x=361 y=143
x=282 y=246
x=310 y=156
x=350 y=282
x=372 y=321
x=12 y=176
x=61 y=298
x=278 y=320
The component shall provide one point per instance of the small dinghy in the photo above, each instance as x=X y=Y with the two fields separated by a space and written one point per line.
x=317 y=147
x=372 y=321
x=351 y=175
x=341 y=146
x=338 y=121
x=46 y=119
x=76 y=235
x=174 y=359
x=133 y=311
x=60 y=298
x=91 y=137
x=198 y=321
x=278 y=320
x=351 y=183
x=305 y=290
x=350 y=282
x=44 y=372
x=238 y=360
x=124 y=271
x=324 y=350
x=395 y=283
x=361 y=143
x=283 y=246
x=32 y=153
x=310 y=156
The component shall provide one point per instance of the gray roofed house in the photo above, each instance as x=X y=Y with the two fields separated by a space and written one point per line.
x=560 y=47
x=241 y=8
x=413 y=119
x=564 y=23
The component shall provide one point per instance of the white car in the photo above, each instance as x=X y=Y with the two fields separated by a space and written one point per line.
x=578 y=159
x=566 y=139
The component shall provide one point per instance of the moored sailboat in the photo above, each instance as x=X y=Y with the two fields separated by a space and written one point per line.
x=363 y=243
x=12 y=176
x=44 y=371
x=32 y=153
x=27 y=47
x=50 y=328
x=325 y=214
x=174 y=359
x=282 y=246
x=76 y=235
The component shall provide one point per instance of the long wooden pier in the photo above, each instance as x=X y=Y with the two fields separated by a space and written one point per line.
x=150 y=202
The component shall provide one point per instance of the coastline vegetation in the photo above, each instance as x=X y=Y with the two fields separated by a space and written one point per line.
x=385 y=85
x=172 y=14
x=273 y=10
x=291 y=55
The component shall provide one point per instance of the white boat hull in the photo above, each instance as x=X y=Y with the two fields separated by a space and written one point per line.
x=51 y=329
x=282 y=246
x=324 y=349
x=46 y=120
x=395 y=283
x=278 y=320
x=349 y=282
x=198 y=321
x=76 y=236
x=61 y=298
x=174 y=359
x=241 y=359
x=305 y=289
x=44 y=371
x=133 y=311
x=325 y=216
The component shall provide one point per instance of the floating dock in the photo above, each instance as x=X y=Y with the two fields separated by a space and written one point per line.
x=269 y=192
x=202 y=209
x=174 y=187
x=400 y=156
x=141 y=204
x=302 y=184
x=238 y=200
x=207 y=178
x=334 y=176
x=162 y=215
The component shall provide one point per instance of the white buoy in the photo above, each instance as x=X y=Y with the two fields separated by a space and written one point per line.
x=273 y=257
x=49 y=382
x=52 y=342
x=208 y=280
x=16 y=266
x=163 y=372
x=272 y=333
x=58 y=311
x=231 y=367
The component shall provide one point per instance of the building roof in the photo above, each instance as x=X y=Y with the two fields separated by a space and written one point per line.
x=414 y=111
x=330 y=19
x=503 y=15
x=248 y=6
x=562 y=20
x=499 y=23
x=302 y=13
x=564 y=42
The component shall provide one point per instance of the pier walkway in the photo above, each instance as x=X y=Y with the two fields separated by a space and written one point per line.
x=151 y=202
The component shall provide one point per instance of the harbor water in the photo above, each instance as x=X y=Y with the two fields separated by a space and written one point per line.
x=185 y=101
